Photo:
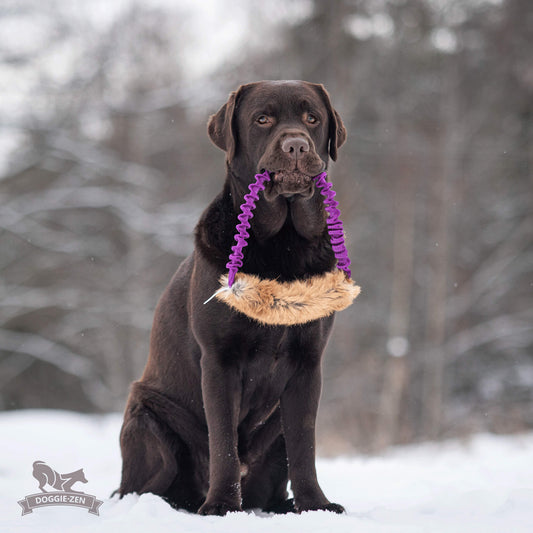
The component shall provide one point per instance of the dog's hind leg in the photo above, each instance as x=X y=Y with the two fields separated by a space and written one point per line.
x=277 y=471
x=185 y=492
x=148 y=454
x=265 y=486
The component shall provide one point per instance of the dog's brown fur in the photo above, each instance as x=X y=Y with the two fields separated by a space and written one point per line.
x=223 y=396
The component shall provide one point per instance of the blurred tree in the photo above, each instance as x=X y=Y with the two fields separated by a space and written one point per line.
x=97 y=210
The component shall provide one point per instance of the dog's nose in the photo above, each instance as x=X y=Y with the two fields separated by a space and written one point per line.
x=295 y=146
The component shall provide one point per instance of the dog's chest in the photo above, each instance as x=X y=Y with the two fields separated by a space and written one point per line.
x=265 y=371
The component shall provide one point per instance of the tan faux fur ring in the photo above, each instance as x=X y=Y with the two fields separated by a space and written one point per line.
x=288 y=303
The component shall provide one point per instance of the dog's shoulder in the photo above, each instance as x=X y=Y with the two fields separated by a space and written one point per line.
x=215 y=229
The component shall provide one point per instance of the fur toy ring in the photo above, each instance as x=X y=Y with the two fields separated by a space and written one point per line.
x=293 y=302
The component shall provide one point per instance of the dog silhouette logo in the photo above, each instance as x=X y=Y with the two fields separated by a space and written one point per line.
x=46 y=476
x=63 y=494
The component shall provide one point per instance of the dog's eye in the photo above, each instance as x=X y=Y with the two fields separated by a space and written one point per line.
x=311 y=119
x=263 y=120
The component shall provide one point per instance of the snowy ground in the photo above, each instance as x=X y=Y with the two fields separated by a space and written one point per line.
x=484 y=486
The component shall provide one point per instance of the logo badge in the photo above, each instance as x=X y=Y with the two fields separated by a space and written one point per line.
x=64 y=494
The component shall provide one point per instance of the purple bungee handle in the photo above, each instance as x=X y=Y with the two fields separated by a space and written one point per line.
x=236 y=257
x=334 y=223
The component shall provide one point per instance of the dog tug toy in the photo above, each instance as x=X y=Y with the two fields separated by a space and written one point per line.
x=292 y=302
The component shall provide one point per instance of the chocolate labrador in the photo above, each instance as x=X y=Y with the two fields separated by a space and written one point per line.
x=224 y=413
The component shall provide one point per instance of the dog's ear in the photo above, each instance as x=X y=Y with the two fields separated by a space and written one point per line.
x=337 y=131
x=222 y=128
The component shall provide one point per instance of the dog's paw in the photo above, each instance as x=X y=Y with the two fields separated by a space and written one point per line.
x=218 y=508
x=282 y=507
x=331 y=507
x=334 y=508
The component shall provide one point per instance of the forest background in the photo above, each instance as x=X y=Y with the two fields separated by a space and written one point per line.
x=105 y=166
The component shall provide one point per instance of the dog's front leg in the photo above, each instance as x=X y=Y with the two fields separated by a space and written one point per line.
x=299 y=405
x=221 y=391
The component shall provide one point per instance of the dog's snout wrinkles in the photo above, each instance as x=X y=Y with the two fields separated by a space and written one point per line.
x=295 y=146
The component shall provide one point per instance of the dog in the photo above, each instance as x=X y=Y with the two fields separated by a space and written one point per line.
x=62 y=482
x=224 y=413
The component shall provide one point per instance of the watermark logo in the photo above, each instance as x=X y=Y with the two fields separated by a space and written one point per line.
x=64 y=494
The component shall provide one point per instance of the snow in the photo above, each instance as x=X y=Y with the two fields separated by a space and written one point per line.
x=484 y=485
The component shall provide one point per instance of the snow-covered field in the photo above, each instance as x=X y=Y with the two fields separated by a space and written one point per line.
x=485 y=485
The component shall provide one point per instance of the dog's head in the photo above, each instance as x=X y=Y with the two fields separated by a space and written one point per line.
x=288 y=128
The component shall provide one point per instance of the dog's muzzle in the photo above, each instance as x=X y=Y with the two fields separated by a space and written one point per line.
x=291 y=161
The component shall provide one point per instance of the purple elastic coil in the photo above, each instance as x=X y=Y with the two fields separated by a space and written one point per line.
x=335 y=227
x=334 y=223
x=236 y=257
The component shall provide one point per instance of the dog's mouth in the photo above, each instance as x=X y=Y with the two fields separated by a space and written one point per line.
x=290 y=184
